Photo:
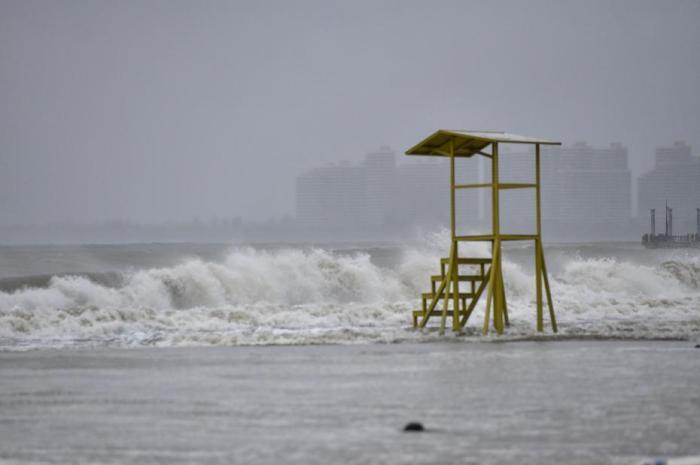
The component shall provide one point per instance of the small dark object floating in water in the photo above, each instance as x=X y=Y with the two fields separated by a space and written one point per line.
x=414 y=426
x=697 y=346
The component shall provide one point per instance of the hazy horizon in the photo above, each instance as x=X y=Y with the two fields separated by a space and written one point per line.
x=166 y=111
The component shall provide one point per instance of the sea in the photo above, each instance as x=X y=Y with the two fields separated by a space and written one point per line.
x=304 y=354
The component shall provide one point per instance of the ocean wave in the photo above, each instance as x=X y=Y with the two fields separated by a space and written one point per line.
x=311 y=296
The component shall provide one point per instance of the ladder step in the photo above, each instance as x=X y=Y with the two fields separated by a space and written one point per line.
x=462 y=295
x=438 y=277
x=467 y=261
x=420 y=313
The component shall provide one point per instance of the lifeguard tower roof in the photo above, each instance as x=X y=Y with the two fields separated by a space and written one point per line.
x=468 y=143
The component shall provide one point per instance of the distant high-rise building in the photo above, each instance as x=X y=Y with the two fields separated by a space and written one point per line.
x=379 y=195
x=592 y=185
x=586 y=191
x=423 y=193
x=517 y=205
x=675 y=178
x=332 y=197
x=380 y=185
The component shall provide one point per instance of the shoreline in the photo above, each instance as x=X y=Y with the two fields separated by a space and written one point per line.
x=451 y=340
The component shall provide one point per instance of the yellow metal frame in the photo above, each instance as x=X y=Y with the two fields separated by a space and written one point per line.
x=491 y=280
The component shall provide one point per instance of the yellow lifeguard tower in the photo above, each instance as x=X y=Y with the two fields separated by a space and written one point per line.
x=465 y=144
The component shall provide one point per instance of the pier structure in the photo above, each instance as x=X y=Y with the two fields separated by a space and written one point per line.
x=481 y=274
x=668 y=240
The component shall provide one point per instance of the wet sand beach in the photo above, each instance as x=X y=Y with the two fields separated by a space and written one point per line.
x=559 y=402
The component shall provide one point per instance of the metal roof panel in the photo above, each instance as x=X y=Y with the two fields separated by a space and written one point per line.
x=468 y=143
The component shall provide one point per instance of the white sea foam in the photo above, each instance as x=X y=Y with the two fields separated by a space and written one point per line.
x=297 y=296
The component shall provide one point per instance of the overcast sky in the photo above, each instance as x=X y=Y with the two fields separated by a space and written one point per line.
x=169 y=110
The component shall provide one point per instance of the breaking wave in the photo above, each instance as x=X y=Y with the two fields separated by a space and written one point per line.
x=310 y=296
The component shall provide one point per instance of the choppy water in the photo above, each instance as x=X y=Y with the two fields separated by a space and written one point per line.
x=619 y=402
x=184 y=295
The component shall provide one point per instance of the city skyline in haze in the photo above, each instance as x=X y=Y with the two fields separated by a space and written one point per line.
x=165 y=111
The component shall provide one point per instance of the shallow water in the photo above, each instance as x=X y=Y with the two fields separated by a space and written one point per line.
x=575 y=402
x=169 y=295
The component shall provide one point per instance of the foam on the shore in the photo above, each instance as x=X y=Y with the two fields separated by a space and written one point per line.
x=313 y=296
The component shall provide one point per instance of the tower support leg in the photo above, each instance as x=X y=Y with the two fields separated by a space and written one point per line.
x=503 y=296
x=448 y=279
x=455 y=287
x=538 y=284
x=552 y=317
x=498 y=298
x=492 y=287
x=445 y=302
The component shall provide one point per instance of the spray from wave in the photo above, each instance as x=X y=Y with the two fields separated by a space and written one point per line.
x=307 y=296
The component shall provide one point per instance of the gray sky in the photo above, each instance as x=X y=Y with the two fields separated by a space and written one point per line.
x=167 y=110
